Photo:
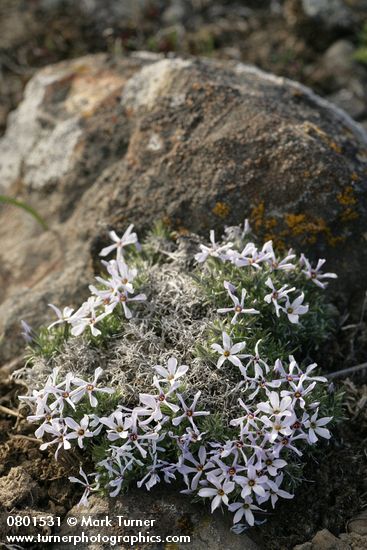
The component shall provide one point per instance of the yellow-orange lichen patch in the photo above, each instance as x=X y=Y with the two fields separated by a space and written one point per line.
x=221 y=209
x=307 y=227
x=348 y=201
x=257 y=216
x=312 y=129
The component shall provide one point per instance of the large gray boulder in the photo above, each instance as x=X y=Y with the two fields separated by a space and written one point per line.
x=100 y=142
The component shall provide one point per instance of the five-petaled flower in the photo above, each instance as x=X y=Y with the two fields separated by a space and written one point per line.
x=229 y=352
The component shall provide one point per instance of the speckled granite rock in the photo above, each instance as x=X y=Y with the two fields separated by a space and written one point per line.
x=101 y=142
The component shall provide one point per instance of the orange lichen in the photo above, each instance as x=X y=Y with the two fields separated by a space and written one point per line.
x=221 y=209
x=257 y=216
x=335 y=146
x=310 y=128
x=348 y=201
x=347 y=197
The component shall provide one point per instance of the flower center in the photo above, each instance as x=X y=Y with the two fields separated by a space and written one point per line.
x=251 y=482
x=133 y=437
x=238 y=309
x=65 y=394
x=277 y=427
x=189 y=412
x=90 y=387
x=81 y=432
x=226 y=353
x=123 y=298
x=221 y=492
x=297 y=394
x=119 y=429
x=289 y=310
x=124 y=281
x=200 y=467
x=275 y=295
x=232 y=471
x=269 y=462
x=162 y=397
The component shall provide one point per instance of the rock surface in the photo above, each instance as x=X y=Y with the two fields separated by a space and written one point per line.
x=16 y=487
x=101 y=142
x=324 y=540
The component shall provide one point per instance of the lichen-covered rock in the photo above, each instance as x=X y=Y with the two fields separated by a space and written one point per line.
x=101 y=142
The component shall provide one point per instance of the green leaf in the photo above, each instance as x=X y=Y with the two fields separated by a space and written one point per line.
x=26 y=207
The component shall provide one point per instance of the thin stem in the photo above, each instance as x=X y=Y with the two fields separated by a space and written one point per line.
x=346 y=372
x=10 y=412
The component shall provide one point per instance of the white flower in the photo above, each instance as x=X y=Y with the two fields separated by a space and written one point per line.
x=250 y=256
x=252 y=483
x=171 y=373
x=278 y=426
x=117 y=471
x=271 y=463
x=314 y=274
x=274 y=491
x=189 y=411
x=250 y=418
x=64 y=316
x=153 y=403
x=135 y=438
x=87 y=316
x=152 y=477
x=298 y=392
x=199 y=467
x=80 y=431
x=244 y=509
x=219 y=493
x=238 y=306
x=276 y=295
x=116 y=424
x=216 y=250
x=57 y=429
x=256 y=361
x=228 y=351
x=295 y=309
x=275 y=263
x=63 y=394
x=89 y=388
x=46 y=415
x=122 y=275
x=275 y=408
x=124 y=298
x=315 y=427
x=88 y=487
x=120 y=242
